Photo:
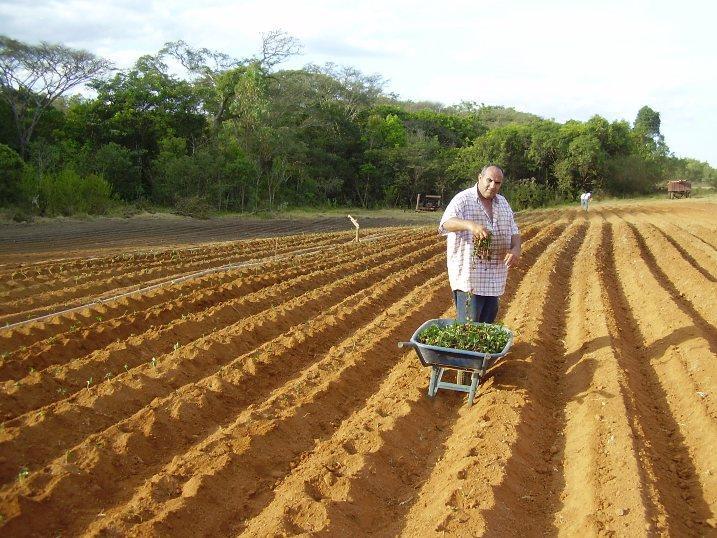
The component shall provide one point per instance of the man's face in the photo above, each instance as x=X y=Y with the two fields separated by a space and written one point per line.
x=489 y=182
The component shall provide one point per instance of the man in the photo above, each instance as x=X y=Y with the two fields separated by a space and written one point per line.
x=474 y=214
x=585 y=200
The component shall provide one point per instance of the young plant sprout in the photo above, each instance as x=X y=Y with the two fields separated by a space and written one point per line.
x=23 y=474
x=481 y=248
x=483 y=338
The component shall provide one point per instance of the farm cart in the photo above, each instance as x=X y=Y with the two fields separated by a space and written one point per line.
x=679 y=189
x=441 y=359
x=428 y=202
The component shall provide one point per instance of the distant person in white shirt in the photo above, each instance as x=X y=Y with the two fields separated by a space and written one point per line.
x=474 y=214
x=585 y=200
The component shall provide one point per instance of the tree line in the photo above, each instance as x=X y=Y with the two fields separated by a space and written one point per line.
x=198 y=130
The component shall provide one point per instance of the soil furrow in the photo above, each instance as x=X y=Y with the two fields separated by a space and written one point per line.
x=678 y=505
x=694 y=300
x=696 y=252
x=98 y=407
x=606 y=489
x=62 y=350
x=502 y=445
x=179 y=326
x=670 y=247
x=704 y=232
x=271 y=410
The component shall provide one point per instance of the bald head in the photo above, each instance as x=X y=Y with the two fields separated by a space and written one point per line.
x=490 y=180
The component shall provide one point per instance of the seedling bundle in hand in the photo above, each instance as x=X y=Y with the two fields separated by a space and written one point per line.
x=483 y=338
x=481 y=248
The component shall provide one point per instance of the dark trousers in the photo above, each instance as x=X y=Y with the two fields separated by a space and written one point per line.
x=481 y=308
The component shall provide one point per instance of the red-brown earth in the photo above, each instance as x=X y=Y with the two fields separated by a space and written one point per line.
x=269 y=397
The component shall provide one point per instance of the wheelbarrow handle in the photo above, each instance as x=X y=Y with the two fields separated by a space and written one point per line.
x=406 y=344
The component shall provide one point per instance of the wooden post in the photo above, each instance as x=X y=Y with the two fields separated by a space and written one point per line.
x=355 y=222
x=418 y=201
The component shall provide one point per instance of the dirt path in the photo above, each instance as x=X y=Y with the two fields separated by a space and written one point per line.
x=270 y=398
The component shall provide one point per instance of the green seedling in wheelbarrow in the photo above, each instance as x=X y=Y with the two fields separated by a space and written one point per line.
x=481 y=338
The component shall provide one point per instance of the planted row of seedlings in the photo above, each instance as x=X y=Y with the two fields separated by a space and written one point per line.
x=165 y=329
x=180 y=260
x=26 y=274
x=74 y=320
x=176 y=301
x=114 y=398
x=14 y=338
x=268 y=363
x=65 y=294
x=22 y=274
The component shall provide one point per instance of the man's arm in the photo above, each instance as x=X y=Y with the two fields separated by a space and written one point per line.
x=454 y=224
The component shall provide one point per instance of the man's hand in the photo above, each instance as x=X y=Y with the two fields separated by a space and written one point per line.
x=512 y=257
x=479 y=231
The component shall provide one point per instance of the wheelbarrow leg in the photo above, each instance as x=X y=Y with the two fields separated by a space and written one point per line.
x=459 y=377
x=433 y=384
x=475 y=379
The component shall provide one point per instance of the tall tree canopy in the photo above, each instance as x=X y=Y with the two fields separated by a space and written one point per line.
x=33 y=77
x=243 y=134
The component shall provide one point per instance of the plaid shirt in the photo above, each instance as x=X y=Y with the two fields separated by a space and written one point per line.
x=484 y=277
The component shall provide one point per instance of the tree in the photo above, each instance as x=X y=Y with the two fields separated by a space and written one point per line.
x=277 y=46
x=583 y=167
x=33 y=77
x=10 y=173
x=647 y=123
x=138 y=108
x=217 y=75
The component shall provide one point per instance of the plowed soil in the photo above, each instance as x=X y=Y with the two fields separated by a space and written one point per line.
x=255 y=388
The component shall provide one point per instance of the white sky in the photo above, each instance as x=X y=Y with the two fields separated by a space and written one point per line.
x=560 y=59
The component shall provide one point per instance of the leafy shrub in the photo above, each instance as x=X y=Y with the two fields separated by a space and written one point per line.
x=118 y=165
x=631 y=174
x=527 y=193
x=193 y=206
x=11 y=166
x=67 y=193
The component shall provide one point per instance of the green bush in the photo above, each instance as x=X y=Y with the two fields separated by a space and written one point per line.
x=11 y=167
x=119 y=166
x=193 y=206
x=528 y=193
x=67 y=193
x=631 y=174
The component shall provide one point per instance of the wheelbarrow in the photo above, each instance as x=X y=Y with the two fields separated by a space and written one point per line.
x=463 y=361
